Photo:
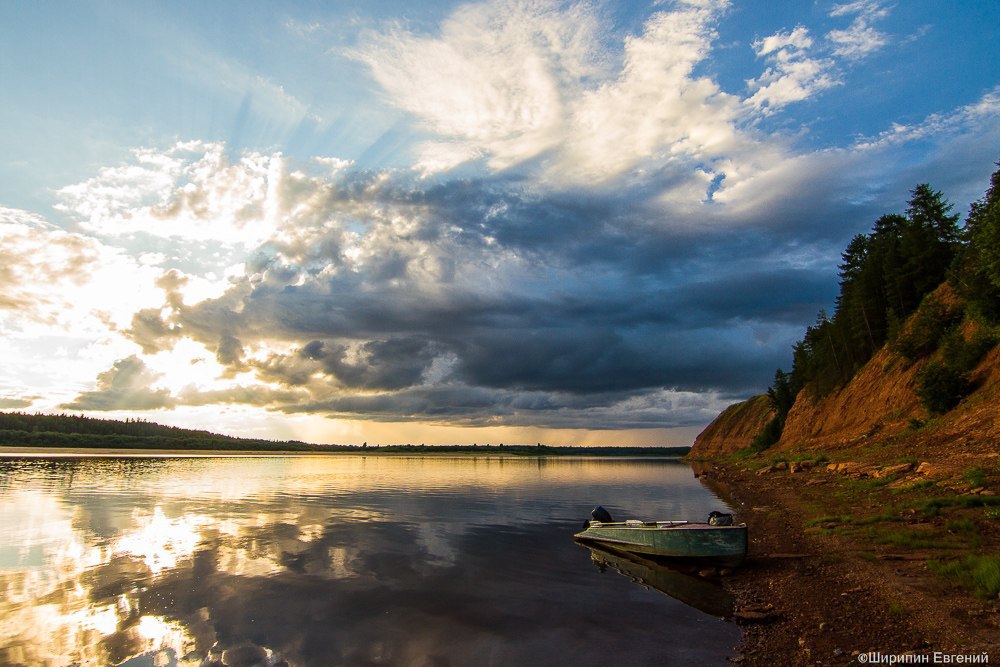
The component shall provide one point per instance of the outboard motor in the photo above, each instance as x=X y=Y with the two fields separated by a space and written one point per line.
x=720 y=519
x=601 y=514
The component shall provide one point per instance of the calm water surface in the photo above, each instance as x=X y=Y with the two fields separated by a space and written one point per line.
x=346 y=560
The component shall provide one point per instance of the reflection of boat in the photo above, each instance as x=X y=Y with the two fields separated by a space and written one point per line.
x=714 y=542
x=702 y=594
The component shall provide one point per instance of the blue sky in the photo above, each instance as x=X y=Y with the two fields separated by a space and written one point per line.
x=515 y=220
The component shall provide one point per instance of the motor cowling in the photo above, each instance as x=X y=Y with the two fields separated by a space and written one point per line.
x=601 y=514
x=720 y=519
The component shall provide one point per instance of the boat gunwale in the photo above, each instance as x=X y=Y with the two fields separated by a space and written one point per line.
x=659 y=525
x=592 y=533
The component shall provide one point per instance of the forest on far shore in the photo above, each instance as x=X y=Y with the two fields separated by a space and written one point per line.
x=19 y=429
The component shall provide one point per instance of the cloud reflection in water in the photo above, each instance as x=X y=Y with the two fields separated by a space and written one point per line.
x=346 y=560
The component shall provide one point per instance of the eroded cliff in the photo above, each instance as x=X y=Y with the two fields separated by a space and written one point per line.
x=734 y=428
x=880 y=404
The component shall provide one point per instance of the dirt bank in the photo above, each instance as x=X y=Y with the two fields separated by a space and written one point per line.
x=841 y=565
x=734 y=428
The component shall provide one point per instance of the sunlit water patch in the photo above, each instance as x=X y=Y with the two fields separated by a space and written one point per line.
x=338 y=560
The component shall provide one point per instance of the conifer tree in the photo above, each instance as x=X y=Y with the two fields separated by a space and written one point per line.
x=977 y=270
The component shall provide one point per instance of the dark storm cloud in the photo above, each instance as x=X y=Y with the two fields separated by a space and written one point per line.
x=601 y=361
x=502 y=299
x=780 y=295
x=230 y=351
x=381 y=364
x=150 y=332
x=472 y=406
x=481 y=302
x=384 y=364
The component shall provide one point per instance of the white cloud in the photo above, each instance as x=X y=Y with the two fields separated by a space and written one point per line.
x=190 y=192
x=493 y=86
x=798 y=39
x=860 y=38
x=514 y=81
x=655 y=111
x=982 y=113
x=302 y=29
x=64 y=298
x=793 y=76
x=531 y=84
x=59 y=279
x=857 y=41
x=498 y=76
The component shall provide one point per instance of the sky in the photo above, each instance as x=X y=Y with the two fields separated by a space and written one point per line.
x=512 y=221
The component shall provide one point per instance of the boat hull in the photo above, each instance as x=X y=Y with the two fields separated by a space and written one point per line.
x=718 y=545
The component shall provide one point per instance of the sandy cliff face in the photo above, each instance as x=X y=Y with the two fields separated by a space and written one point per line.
x=879 y=401
x=974 y=426
x=734 y=428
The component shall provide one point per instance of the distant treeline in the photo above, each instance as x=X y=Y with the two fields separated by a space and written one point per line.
x=20 y=429
x=537 y=450
x=889 y=275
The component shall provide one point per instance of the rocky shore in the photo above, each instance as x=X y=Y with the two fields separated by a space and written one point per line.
x=841 y=562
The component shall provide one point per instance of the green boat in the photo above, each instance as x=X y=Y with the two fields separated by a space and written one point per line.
x=717 y=542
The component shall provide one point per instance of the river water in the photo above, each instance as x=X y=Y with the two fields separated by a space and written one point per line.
x=343 y=560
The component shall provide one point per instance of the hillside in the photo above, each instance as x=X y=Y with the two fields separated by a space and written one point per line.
x=880 y=407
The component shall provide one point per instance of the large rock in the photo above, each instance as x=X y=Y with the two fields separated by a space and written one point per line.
x=898 y=469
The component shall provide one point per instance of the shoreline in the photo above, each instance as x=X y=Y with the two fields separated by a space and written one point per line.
x=808 y=596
